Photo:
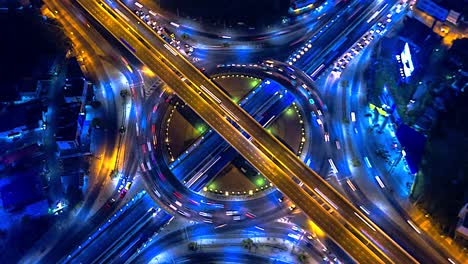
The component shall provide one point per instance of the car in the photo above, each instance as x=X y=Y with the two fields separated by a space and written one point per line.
x=178 y=195
x=232 y=212
x=292 y=207
x=110 y=203
x=337 y=143
x=250 y=215
x=297 y=229
x=281 y=199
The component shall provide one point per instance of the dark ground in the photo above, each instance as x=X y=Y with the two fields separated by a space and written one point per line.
x=228 y=12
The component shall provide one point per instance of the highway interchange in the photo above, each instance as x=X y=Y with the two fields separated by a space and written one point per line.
x=351 y=228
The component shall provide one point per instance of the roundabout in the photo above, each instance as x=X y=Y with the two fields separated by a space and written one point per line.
x=191 y=171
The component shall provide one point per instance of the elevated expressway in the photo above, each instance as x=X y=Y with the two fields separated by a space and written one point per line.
x=352 y=230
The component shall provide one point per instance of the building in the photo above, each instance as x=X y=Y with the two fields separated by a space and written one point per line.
x=68 y=129
x=29 y=89
x=73 y=172
x=432 y=9
x=27 y=116
x=24 y=189
x=75 y=90
x=450 y=11
x=462 y=226
x=14 y=157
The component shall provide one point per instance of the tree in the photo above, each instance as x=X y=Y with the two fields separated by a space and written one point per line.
x=114 y=173
x=356 y=162
x=302 y=258
x=193 y=246
x=247 y=243
x=124 y=93
x=344 y=83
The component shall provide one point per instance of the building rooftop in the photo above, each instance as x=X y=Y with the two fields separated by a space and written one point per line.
x=67 y=123
x=23 y=190
x=418 y=34
x=27 y=114
x=74 y=87
x=20 y=154
x=73 y=170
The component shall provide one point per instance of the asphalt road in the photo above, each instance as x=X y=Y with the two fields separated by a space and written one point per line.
x=269 y=166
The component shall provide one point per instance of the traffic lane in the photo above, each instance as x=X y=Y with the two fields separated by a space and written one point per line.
x=109 y=109
x=352 y=216
x=232 y=256
x=425 y=250
x=322 y=37
x=93 y=224
x=422 y=251
x=200 y=231
x=215 y=125
x=356 y=222
x=121 y=252
x=348 y=36
x=339 y=32
x=211 y=140
x=355 y=215
x=289 y=188
x=112 y=235
x=213 y=145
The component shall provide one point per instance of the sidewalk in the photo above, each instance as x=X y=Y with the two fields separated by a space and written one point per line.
x=399 y=179
x=435 y=233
